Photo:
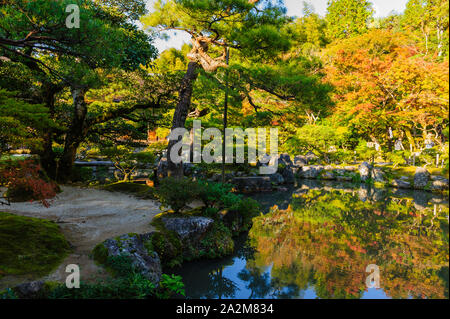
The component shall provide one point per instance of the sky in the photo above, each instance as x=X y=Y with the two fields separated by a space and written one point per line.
x=382 y=8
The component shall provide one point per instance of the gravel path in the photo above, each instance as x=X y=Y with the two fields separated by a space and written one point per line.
x=87 y=217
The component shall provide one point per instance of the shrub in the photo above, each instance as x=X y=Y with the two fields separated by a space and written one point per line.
x=127 y=284
x=133 y=286
x=217 y=243
x=247 y=208
x=168 y=247
x=170 y=285
x=342 y=156
x=138 y=190
x=26 y=181
x=364 y=152
x=213 y=193
x=82 y=174
x=126 y=160
x=398 y=157
x=230 y=199
x=428 y=156
x=177 y=192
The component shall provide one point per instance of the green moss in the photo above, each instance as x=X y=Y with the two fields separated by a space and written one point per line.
x=100 y=254
x=217 y=243
x=30 y=245
x=139 y=190
x=380 y=185
x=168 y=247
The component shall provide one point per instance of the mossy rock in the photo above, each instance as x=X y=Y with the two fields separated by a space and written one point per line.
x=168 y=247
x=217 y=242
x=30 y=245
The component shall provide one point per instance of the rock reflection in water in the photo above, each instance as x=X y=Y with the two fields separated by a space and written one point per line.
x=319 y=240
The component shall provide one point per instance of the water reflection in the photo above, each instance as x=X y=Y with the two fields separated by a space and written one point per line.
x=318 y=242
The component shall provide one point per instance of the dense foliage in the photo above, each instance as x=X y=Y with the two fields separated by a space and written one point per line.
x=332 y=85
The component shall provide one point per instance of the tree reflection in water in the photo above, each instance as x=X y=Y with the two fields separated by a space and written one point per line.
x=325 y=239
x=321 y=244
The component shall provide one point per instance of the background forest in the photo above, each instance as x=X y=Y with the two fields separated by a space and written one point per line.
x=346 y=86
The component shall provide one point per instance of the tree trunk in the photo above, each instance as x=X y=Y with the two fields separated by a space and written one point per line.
x=47 y=156
x=74 y=135
x=181 y=112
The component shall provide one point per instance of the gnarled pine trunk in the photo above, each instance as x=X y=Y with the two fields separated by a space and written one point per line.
x=47 y=156
x=181 y=112
x=74 y=136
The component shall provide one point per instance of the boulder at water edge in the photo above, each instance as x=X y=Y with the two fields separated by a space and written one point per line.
x=421 y=178
x=365 y=170
x=133 y=246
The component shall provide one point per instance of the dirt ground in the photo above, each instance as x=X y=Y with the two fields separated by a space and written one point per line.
x=87 y=217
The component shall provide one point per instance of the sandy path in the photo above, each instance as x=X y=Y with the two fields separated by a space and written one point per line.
x=87 y=217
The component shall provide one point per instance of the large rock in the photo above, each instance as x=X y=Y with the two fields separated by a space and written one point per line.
x=401 y=183
x=276 y=178
x=188 y=169
x=133 y=246
x=188 y=227
x=311 y=171
x=365 y=170
x=344 y=178
x=300 y=161
x=439 y=183
x=342 y=175
x=288 y=175
x=378 y=175
x=421 y=178
x=142 y=174
x=310 y=157
x=163 y=166
x=253 y=183
x=328 y=175
x=285 y=159
x=29 y=290
x=199 y=236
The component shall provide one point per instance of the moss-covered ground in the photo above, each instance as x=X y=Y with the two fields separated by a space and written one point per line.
x=30 y=245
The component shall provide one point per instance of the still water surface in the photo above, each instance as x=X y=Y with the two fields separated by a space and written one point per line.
x=319 y=240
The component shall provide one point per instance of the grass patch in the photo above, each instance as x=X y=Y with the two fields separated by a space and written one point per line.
x=30 y=245
x=409 y=171
x=138 y=190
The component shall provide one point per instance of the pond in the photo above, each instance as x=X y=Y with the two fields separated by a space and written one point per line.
x=320 y=240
